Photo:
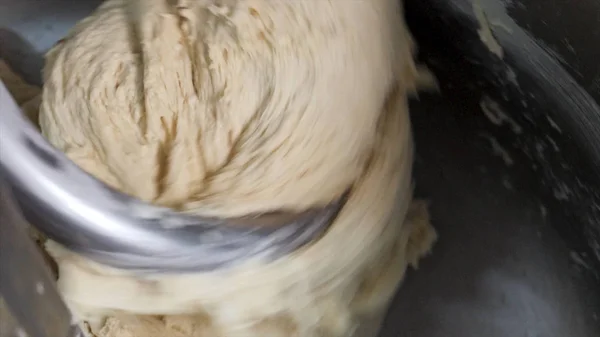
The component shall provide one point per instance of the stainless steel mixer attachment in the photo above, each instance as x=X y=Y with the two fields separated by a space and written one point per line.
x=26 y=285
x=88 y=217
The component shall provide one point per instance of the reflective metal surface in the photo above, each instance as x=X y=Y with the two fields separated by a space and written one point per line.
x=506 y=156
x=27 y=290
x=88 y=217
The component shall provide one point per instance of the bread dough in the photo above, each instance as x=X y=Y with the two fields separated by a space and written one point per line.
x=25 y=94
x=231 y=107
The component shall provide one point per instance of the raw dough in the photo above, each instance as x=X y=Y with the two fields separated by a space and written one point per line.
x=230 y=107
x=26 y=95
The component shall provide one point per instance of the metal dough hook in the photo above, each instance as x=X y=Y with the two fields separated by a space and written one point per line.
x=26 y=284
x=88 y=217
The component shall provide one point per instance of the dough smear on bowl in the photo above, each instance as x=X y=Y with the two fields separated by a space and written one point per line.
x=232 y=107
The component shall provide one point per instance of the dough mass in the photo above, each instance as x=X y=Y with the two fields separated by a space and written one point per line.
x=234 y=107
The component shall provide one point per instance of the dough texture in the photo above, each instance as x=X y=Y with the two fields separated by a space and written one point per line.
x=26 y=95
x=231 y=107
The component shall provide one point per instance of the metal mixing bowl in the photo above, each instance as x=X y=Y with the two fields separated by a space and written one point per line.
x=508 y=154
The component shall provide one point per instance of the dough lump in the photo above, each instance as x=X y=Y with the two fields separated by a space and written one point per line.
x=25 y=94
x=231 y=107
x=221 y=105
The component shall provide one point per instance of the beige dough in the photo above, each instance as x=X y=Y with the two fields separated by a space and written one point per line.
x=26 y=95
x=230 y=107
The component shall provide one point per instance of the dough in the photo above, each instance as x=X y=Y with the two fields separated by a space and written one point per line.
x=231 y=107
x=26 y=95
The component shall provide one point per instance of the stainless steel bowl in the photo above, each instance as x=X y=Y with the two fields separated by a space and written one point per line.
x=508 y=154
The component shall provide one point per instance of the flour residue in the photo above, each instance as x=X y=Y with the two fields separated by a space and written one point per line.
x=499 y=151
x=596 y=248
x=539 y=148
x=579 y=259
x=552 y=143
x=569 y=46
x=511 y=76
x=500 y=24
x=562 y=191
x=543 y=211
x=39 y=288
x=19 y=332
x=485 y=32
x=553 y=124
x=491 y=109
x=507 y=183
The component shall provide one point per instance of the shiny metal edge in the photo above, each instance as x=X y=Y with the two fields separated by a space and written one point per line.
x=28 y=293
x=88 y=217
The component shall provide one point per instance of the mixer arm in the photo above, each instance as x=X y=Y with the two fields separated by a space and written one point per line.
x=26 y=284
